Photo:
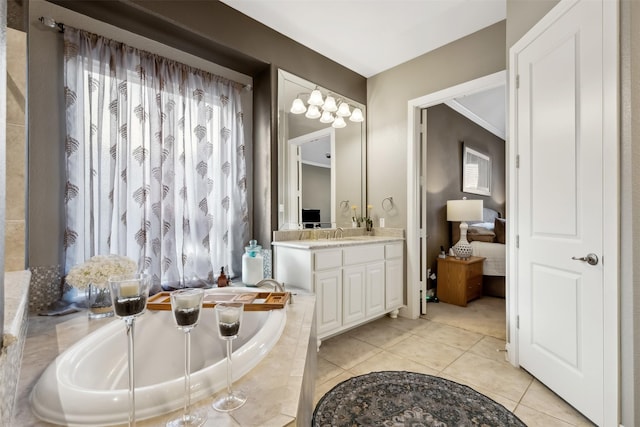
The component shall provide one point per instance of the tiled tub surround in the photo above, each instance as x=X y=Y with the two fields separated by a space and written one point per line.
x=280 y=389
x=16 y=290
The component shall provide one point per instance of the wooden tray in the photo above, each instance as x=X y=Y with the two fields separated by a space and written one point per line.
x=253 y=301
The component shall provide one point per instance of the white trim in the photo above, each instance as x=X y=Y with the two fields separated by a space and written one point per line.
x=611 y=202
x=611 y=210
x=457 y=106
x=413 y=169
x=301 y=140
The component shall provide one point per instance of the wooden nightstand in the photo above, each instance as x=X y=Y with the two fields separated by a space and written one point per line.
x=459 y=281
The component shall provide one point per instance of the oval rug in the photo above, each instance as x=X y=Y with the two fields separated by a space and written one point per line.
x=399 y=398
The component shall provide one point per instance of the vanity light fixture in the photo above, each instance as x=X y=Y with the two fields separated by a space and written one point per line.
x=328 y=110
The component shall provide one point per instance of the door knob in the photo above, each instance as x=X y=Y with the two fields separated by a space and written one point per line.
x=591 y=259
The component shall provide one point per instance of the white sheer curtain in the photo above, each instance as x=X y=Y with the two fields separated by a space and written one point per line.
x=155 y=162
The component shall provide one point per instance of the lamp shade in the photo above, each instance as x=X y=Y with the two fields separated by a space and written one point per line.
x=464 y=210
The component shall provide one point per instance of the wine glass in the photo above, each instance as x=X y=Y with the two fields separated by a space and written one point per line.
x=130 y=293
x=186 y=305
x=229 y=319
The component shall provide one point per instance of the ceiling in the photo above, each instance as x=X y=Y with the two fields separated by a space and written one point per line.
x=371 y=36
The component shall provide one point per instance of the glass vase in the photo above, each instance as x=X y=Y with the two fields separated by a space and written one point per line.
x=99 y=301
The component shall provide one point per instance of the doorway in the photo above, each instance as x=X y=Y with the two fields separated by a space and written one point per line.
x=416 y=200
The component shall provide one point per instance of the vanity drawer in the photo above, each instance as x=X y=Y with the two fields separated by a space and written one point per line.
x=325 y=260
x=393 y=250
x=362 y=254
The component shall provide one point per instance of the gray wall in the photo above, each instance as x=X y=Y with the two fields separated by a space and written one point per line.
x=388 y=93
x=630 y=212
x=446 y=132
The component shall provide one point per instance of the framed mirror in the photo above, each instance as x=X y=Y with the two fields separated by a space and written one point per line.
x=321 y=167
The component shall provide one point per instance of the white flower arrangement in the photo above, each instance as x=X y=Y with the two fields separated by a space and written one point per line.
x=98 y=269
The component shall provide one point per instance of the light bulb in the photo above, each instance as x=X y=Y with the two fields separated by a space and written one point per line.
x=315 y=98
x=356 y=115
x=313 y=112
x=327 y=117
x=298 y=106
x=330 y=104
x=339 y=122
x=343 y=111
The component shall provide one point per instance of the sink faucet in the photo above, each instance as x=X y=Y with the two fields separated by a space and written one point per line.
x=277 y=286
x=335 y=234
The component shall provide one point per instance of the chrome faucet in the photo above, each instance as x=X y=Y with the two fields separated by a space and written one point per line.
x=277 y=286
x=335 y=234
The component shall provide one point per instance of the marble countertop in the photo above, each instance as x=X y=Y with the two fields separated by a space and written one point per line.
x=336 y=243
x=273 y=388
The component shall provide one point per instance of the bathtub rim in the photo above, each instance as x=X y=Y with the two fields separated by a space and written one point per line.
x=243 y=362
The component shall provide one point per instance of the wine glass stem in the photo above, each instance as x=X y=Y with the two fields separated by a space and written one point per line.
x=130 y=322
x=229 y=348
x=187 y=372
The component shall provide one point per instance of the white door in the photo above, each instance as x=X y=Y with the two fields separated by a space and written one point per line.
x=559 y=140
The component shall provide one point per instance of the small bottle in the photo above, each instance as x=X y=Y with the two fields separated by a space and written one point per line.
x=252 y=264
x=222 y=279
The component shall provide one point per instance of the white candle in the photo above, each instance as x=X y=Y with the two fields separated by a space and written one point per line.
x=229 y=315
x=129 y=290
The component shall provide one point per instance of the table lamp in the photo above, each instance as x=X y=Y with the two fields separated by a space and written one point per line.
x=463 y=210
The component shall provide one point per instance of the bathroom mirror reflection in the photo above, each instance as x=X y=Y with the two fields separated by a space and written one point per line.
x=320 y=166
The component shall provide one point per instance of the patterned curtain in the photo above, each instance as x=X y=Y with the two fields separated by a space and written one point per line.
x=155 y=162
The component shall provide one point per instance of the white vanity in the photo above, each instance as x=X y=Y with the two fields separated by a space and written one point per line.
x=355 y=279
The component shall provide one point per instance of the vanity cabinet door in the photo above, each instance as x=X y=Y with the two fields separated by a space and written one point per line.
x=328 y=285
x=353 y=300
x=395 y=282
x=375 y=294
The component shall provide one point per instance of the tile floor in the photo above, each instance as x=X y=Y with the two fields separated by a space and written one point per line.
x=457 y=343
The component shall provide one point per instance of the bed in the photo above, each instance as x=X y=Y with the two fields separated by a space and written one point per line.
x=487 y=238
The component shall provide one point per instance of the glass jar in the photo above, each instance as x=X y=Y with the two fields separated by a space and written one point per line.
x=252 y=264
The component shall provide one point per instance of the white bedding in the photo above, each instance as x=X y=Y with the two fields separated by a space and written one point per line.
x=495 y=254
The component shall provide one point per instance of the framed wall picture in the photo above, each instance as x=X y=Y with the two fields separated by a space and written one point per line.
x=476 y=172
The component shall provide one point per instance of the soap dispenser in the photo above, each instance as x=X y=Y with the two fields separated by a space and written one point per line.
x=252 y=264
x=222 y=279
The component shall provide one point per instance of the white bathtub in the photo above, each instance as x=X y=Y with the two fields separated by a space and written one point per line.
x=88 y=383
